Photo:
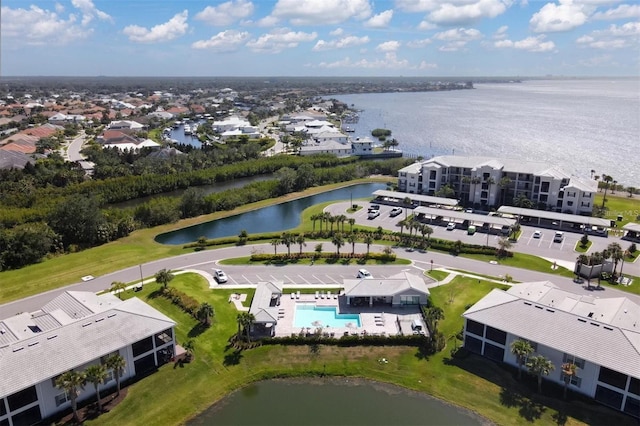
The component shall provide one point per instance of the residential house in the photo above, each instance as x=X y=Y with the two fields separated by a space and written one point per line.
x=362 y=146
x=600 y=335
x=398 y=290
x=71 y=332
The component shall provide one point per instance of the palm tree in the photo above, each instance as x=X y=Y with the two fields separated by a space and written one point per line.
x=96 y=374
x=631 y=190
x=490 y=181
x=72 y=382
x=606 y=179
x=521 y=349
x=245 y=320
x=368 y=240
x=300 y=240
x=332 y=219
x=118 y=287
x=341 y=219
x=337 y=241
x=475 y=180
x=116 y=363
x=314 y=218
x=504 y=245
x=504 y=183
x=164 y=277
x=539 y=365
x=275 y=243
x=616 y=253
x=351 y=238
x=352 y=222
x=433 y=315
x=205 y=313
x=189 y=347
x=287 y=239
x=569 y=370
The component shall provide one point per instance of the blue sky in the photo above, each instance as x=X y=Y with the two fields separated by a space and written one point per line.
x=320 y=37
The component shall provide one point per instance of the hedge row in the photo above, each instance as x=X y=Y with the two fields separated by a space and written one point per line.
x=185 y=302
x=344 y=341
x=267 y=257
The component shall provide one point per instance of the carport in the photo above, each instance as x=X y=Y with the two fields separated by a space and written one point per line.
x=396 y=198
x=633 y=231
x=424 y=214
x=555 y=220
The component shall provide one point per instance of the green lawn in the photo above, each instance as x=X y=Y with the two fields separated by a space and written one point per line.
x=582 y=249
x=620 y=204
x=172 y=395
x=524 y=261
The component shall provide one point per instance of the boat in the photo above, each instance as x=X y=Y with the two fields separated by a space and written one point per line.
x=177 y=124
x=187 y=129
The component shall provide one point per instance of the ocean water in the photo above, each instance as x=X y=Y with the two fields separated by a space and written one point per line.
x=578 y=125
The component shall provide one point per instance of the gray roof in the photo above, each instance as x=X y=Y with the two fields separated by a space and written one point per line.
x=262 y=300
x=417 y=197
x=604 y=331
x=108 y=324
x=391 y=286
x=14 y=159
x=635 y=227
x=507 y=165
x=564 y=217
x=471 y=217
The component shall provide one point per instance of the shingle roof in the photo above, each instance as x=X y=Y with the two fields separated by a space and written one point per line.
x=600 y=330
x=107 y=325
x=384 y=287
x=261 y=304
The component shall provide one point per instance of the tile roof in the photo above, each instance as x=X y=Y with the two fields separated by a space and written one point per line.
x=605 y=331
x=107 y=324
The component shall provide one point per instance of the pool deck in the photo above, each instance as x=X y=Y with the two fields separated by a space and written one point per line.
x=376 y=320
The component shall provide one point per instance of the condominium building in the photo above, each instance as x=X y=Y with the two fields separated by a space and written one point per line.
x=71 y=332
x=601 y=336
x=490 y=182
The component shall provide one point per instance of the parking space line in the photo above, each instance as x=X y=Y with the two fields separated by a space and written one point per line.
x=304 y=279
x=290 y=280
x=232 y=279
x=274 y=278
x=331 y=278
x=246 y=279
x=258 y=277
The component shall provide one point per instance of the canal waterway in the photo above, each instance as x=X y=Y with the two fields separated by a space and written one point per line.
x=351 y=402
x=279 y=217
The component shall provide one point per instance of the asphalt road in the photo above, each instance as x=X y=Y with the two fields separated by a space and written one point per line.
x=299 y=275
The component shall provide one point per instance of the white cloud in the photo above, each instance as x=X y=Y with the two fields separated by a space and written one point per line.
x=501 y=33
x=417 y=5
x=278 y=40
x=416 y=44
x=225 y=41
x=89 y=11
x=321 y=12
x=453 y=46
x=530 y=44
x=426 y=26
x=38 y=26
x=337 y=32
x=342 y=43
x=462 y=34
x=388 y=46
x=623 y=11
x=171 y=29
x=268 y=21
x=59 y=8
x=614 y=37
x=380 y=20
x=390 y=61
x=558 y=17
x=463 y=12
x=225 y=13
x=427 y=66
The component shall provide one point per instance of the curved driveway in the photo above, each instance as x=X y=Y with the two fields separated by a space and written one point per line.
x=298 y=275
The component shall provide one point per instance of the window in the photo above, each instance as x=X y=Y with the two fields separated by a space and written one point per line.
x=475 y=328
x=570 y=203
x=608 y=397
x=632 y=406
x=61 y=398
x=634 y=386
x=612 y=378
x=472 y=344
x=544 y=187
x=3 y=409
x=493 y=352
x=572 y=359
x=496 y=335
x=22 y=398
x=575 y=380
x=409 y=300
x=103 y=359
x=142 y=346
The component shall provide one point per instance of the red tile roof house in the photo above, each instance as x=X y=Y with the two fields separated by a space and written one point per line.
x=113 y=137
x=21 y=142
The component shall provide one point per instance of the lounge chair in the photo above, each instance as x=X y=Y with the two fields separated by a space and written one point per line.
x=335 y=295
x=298 y=295
x=328 y=295
x=292 y=296
x=317 y=294
x=322 y=295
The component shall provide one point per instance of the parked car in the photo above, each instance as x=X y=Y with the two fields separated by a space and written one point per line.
x=558 y=237
x=395 y=211
x=364 y=274
x=374 y=207
x=537 y=234
x=451 y=226
x=220 y=276
x=373 y=214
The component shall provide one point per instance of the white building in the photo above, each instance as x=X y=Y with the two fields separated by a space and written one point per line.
x=362 y=146
x=126 y=125
x=599 y=335
x=71 y=332
x=486 y=182
x=330 y=147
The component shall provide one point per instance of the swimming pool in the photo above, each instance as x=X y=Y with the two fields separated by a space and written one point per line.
x=308 y=315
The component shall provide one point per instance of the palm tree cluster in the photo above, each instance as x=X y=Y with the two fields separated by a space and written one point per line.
x=73 y=382
x=538 y=365
x=613 y=251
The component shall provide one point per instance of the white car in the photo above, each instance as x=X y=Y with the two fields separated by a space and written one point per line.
x=373 y=214
x=395 y=211
x=451 y=226
x=220 y=276
x=364 y=274
x=537 y=233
